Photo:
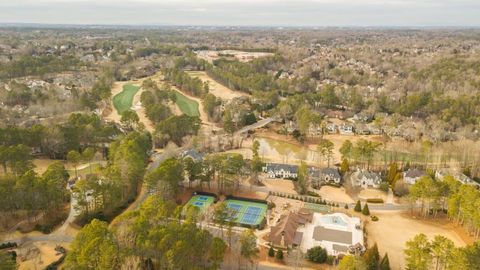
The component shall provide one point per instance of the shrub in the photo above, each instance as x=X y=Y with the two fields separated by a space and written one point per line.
x=317 y=255
x=358 y=207
x=375 y=200
x=279 y=255
x=271 y=252
x=8 y=245
x=374 y=218
x=330 y=260
x=346 y=206
x=365 y=210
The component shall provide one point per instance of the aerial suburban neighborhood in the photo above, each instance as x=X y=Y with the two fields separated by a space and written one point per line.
x=237 y=147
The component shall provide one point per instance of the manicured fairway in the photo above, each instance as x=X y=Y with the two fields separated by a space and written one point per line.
x=201 y=201
x=123 y=100
x=246 y=212
x=186 y=105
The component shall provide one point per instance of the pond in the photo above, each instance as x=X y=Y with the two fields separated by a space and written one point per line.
x=284 y=152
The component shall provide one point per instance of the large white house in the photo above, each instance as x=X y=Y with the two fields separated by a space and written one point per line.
x=285 y=171
x=322 y=176
x=337 y=233
x=366 y=179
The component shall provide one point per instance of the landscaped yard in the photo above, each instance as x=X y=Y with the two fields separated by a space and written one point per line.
x=123 y=100
x=186 y=105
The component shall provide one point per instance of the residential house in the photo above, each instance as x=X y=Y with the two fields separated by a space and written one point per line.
x=462 y=178
x=331 y=128
x=319 y=177
x=284 y=234
x=285 y=171
x=363 y=117
x=411 y=176
x=346 y=129
x=338 y=233
x=362 y=129
x=366 y=179
x=315 y=130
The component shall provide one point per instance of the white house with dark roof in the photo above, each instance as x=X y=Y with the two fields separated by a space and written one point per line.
x=324 y=176
x=411 y=176
x=276 y=170
x=337 y=233
x=366 y=179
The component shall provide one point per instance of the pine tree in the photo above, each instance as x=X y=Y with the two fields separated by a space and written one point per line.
x=358 y=207
x=365 y=210
x=385 y=263
x=271 y=252
x=279 y=254
x=372 y=257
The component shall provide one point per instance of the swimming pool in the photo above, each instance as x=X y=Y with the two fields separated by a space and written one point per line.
x=333 y=220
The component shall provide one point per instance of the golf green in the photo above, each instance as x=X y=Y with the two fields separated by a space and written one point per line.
x=123 y=100
x=186 y=105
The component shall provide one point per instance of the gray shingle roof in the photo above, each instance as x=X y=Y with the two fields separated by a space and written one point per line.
x=277 y=167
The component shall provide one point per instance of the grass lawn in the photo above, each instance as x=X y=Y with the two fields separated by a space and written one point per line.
x=123 y=100
x=92 y=168
x=186 y=105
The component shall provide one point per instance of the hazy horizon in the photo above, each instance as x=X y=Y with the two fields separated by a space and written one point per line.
x=273 y=13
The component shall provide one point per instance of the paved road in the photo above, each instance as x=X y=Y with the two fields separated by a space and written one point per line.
x=386 y=206
x=256 y=125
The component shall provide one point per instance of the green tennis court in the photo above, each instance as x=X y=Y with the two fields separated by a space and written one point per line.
x=246 y=212
x=203 y=202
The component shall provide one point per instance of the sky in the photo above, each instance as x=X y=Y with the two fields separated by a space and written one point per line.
x=423 y=13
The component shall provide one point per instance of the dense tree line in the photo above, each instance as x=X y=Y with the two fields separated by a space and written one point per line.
x=460 y=201
x=440 y=254
x=155 y=101
x=101 y=90
x=78 y=132
x=245 y=77
x=175 y=128
x=103 y=195
x=149 y=238
x=38 y=65
x=34 y=194
x=191 y=85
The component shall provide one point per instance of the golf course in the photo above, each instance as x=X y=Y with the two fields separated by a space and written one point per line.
x=186 y=105
x=123 y=100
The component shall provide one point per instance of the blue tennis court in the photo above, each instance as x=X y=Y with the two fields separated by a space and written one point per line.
x=248 y=213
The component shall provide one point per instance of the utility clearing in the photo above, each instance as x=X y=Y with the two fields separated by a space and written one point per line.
x=215 y=88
